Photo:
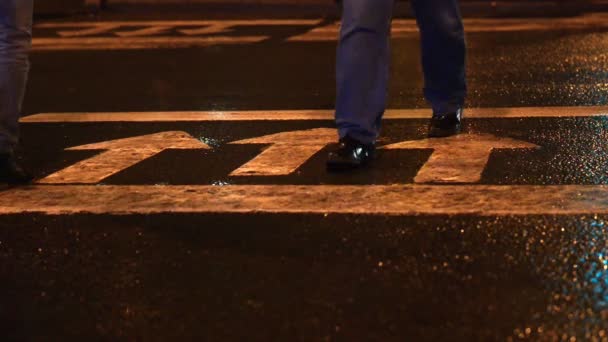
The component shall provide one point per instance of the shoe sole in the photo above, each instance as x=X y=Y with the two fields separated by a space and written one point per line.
x=337 y=167
x=16 y=181
x=443 y=133
x=345 y=167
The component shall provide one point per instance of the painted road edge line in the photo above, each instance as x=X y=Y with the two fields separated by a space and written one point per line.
x=392 y=200
x=186 y=23
x=287 y=115
x=135 y=43
x=596 y=20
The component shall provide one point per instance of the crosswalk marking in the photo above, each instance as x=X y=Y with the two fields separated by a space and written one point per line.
x=211 y=29
x=288 y=115
x=480 y=200
x=286 y=153
x=458 y=159
x=405 y=27
x=89 y=31
x=149 y=33
x=119 y=155
x=598 y=20
x=178 y=23
x=420 y=198
x=136 y=43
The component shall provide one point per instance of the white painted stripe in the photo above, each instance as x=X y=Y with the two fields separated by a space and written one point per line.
x=211 y=29
x=458 y=159
x=89 y=31
x=404 y=28
x=287 y=151
x=136 y=43
x=484 y=200
x=179 y=23
x=287 y=115
x=475 y=24
x=119 y=155
x=147 y=30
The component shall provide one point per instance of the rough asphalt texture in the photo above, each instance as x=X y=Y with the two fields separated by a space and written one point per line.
x=311 y=277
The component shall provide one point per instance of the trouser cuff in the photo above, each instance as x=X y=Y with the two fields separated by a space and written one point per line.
x=363 y=137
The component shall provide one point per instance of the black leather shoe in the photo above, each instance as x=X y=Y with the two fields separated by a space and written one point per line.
x=351 y=154
x=445 y=124
x=11 y=172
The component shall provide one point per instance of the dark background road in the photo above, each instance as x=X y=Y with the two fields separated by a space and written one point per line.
x=309 y=277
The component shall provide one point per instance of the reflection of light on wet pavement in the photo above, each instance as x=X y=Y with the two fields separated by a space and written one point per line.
x=573 y=264
x=221 y=183
x=592 y=266
x=211 y=142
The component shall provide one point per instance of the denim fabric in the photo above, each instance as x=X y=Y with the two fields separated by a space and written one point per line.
x=363 y=59
x=15 y=43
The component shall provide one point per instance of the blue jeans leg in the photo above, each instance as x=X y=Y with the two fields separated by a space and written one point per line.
x=362 y=69
x=15 y=43
x=443 y=52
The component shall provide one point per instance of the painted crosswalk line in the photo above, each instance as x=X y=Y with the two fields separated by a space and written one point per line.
x=129 y=35
x=445 y=182
x=287 y=115
x=484 y=200
x=458 y=159
x=286 y=153
x=119 y=155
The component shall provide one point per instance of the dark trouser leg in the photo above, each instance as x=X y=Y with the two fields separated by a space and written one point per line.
x=15 y=42
x=362 y=69
x=443 y=52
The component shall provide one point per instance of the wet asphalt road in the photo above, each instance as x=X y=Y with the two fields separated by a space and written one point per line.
x=286 y=277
